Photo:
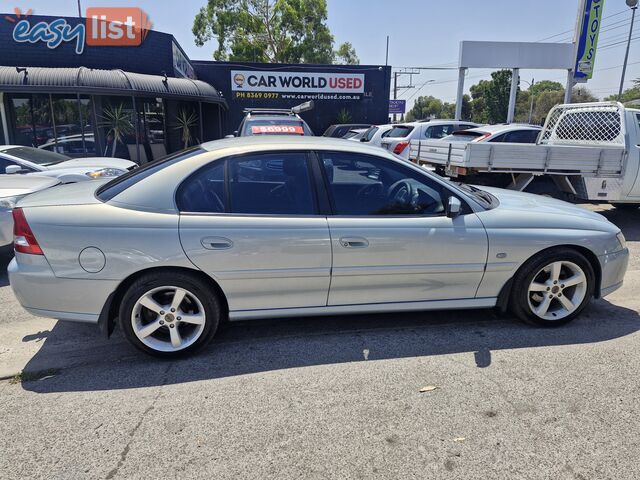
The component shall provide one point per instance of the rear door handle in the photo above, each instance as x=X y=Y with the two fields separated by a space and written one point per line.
x=216 y=243
x=354 y=242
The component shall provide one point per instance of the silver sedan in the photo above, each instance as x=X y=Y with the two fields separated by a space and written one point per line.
x=273 y=227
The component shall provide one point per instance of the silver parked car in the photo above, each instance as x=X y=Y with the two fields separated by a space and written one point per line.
x=12 y=189
x=291 y=226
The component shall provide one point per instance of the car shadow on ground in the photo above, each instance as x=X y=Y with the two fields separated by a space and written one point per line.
x=85 y=362
x=628 y=220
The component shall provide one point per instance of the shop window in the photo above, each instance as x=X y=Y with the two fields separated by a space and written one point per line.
x=183 y=125
x=151 y=127
x=116 y=125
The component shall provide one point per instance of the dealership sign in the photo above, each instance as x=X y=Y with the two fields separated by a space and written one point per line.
x=588 y=41
x=113 y=27
x=397 y=106
x=302 y=82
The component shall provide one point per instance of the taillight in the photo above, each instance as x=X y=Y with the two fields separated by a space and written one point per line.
x=24 y=241
x=399 y=148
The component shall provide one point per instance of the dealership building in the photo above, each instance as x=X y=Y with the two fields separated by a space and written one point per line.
x=142 y=102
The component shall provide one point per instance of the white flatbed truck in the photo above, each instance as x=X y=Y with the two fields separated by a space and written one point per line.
x=588 y=151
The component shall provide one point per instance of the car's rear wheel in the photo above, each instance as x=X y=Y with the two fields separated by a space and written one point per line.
x=553 y=288
x=169 y=314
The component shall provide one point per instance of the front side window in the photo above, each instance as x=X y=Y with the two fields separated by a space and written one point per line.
x=369 y=185
x=271 y=184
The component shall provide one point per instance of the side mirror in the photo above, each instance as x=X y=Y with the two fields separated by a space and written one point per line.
x=454 y=207
x=363 y=139
x=13 y=169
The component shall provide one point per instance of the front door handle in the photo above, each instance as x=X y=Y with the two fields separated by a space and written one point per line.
x=216 y=243
x=354 y=242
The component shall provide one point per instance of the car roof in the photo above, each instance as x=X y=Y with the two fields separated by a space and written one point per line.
x=274 y=117
x=285 y=141
x=157 y=193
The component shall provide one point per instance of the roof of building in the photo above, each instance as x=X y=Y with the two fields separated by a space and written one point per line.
x=114 y=82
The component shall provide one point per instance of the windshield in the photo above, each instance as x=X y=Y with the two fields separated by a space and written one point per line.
x=36 y=155
x=400 y=131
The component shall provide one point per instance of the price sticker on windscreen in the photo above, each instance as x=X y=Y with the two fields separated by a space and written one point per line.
x=277 y=129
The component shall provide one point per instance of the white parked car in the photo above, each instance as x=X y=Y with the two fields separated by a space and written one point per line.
x=374 y=135
x=513 y=133
x=400 y=136
x=12 y=189
x=17 y=159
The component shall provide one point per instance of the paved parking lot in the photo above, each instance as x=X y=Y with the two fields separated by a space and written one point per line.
x=332 y=397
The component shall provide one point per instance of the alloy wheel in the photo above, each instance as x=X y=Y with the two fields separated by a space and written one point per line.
x=168 y=319
x=557 y=290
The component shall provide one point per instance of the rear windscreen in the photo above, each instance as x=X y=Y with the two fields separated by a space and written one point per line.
x=463 y=136
x=274 y=127
x=400 y=131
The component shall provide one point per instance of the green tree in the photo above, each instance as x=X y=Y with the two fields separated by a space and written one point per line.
x=285 y=31
x=424 y=108
x=545 y=86
x=491 y=98
x=628 y=95
x=346 y=55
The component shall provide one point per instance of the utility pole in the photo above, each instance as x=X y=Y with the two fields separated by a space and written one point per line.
x=533 y=81
x=406 y=71
x=386 y=58
x=79 y=9
x=633 y=4
x=395 y=91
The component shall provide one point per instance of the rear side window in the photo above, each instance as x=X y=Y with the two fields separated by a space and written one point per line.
x=271 y=184
x=204 y=192
x=256 y=184
x=400 y=131
x=121 y=183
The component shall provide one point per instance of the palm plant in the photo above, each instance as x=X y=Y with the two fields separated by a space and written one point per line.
x=185 y=121
x=344 y=116
x=118 y=120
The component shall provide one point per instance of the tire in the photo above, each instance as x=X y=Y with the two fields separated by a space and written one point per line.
x=541 y=292
x=150 y=324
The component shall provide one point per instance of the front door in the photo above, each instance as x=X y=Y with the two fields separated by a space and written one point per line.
x=251 y=223
x=392 y=241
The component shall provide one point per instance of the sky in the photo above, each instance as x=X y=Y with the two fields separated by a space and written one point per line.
x=423 y=33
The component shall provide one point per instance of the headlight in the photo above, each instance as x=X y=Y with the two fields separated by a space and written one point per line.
x=105 y=172
x=8 y=203
x=622 y=240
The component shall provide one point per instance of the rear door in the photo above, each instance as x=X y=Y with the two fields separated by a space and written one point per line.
x=392 y=241
x=251 y=222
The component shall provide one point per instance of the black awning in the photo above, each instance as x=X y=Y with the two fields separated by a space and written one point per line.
x=105 y=82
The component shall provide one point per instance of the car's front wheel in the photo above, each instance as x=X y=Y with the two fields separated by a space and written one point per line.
x=553 y=287
x=169 y=314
